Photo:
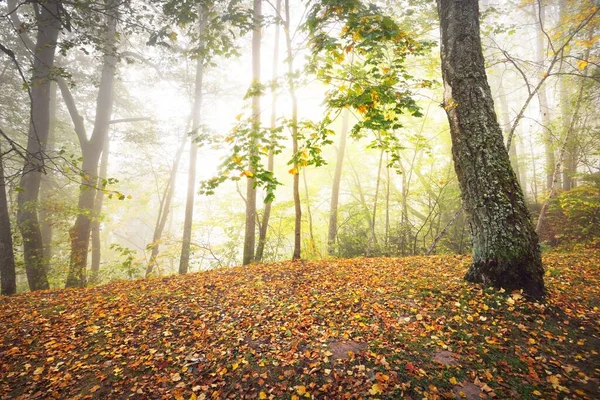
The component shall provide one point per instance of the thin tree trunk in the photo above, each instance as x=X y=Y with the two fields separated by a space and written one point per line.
x=512 y=152
x=335 y=190
x=250 y=231
x=48 y=27
x=264 y=226
x=96 y=215
x=91 y=150
x=441 y=234
x=377 y=184
x=312 y=246
x=562 y=152
x=292 y=89
x=184 y=260
x=505 y=246
x=367 y=213
x=8 y=283
x=47 y=183
x=387 y=208
x=164 y=210
x=544 y=110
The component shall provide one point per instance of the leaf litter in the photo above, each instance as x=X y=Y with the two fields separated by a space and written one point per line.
x=360 y=328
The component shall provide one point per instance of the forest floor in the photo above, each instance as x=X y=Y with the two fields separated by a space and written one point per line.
x=385 y=328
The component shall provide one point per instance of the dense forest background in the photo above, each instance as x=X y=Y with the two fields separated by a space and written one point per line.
x=183 y=136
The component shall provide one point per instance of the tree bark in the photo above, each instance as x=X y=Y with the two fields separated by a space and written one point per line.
x=184 y=260
x=335 y=190
x=48 y=27
x=250 y=231
x=91 y=150
x=264 y=226
x=8 y=283
x=505 y=246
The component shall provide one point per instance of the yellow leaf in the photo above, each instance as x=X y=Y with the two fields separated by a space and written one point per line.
x=247 y=173
x=294 y=397
x=293 y=171
x=453 y=381
x=419 y=317
x=301 y=390
x=235 y=366
x=38 y=371
x=262 y=395
x=375 y=389
x=537 y=392
x=193 y=397
x=582 y=64
x=175 y=377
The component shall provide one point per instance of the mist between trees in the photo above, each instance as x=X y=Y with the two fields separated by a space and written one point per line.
x=146 y=138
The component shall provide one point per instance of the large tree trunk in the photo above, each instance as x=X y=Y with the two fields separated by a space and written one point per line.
x=264 y=226
x=8 y=283
x=250 y=231
x=27 y=215
x=184 y=260
x=335 y=190
x=505 y=246
x=91 y=150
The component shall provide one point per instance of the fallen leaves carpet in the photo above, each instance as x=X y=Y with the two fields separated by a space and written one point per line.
x=386 y=328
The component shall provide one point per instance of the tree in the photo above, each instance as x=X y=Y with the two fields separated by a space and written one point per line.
x=294 y=122
x=184 y=261
x=91 y=148
x=250 y=231
x=8 y=283
x=48 y=27
x=264 y=225
x=505 y=246
x=335 y=189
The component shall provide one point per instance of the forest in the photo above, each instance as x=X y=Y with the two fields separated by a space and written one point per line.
x=300 y=199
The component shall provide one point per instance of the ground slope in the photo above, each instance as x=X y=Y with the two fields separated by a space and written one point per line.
x=358 y=328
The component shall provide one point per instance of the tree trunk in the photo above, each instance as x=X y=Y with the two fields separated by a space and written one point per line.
x=27 y=215
x=377 y=184
x=312 y=248
x=184 y=260
x=335 y=190
x=505 y=246
x=8 y=283
x=164 y=210
x=264 y=226
x=46 y=187
x=91 y=150
x=296 y=175
x=544 y=110
x=250 y=231
x=96 y=216
x=563 y=150
x=387 y=208
x=512 y=152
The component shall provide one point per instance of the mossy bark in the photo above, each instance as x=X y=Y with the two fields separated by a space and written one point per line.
x=505 y=246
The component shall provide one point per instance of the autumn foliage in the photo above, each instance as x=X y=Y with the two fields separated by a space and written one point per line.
x=357 y=328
